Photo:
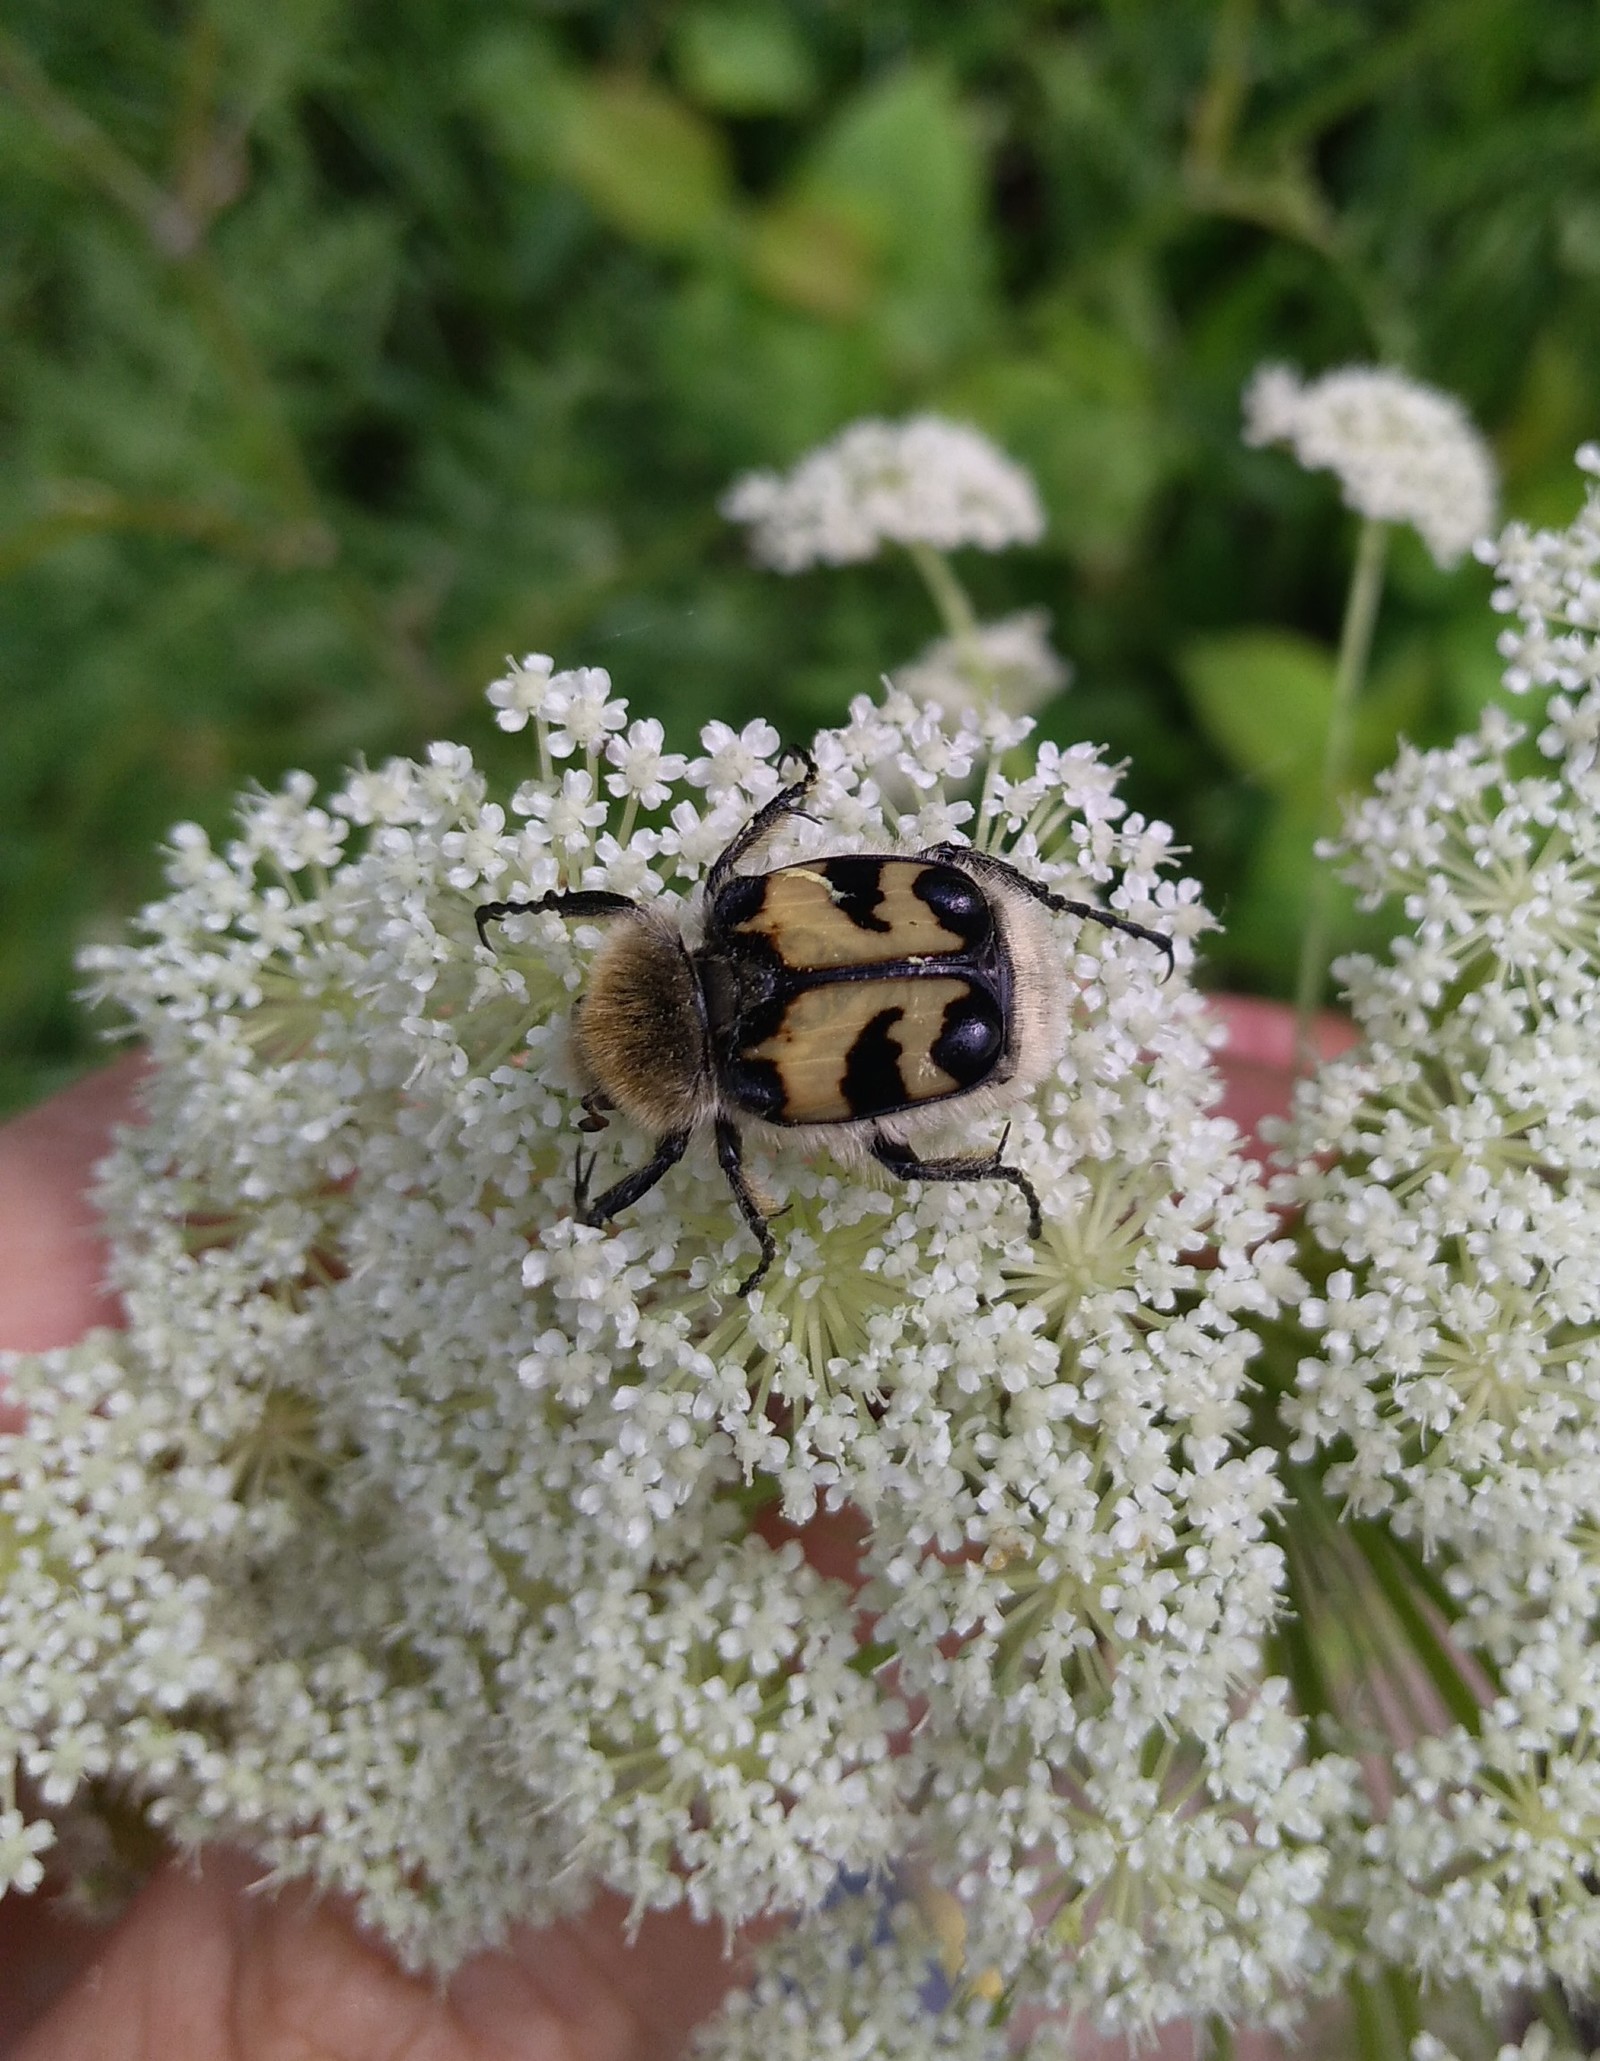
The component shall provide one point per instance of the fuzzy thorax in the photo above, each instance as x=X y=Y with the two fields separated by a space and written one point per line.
x=638 y=1032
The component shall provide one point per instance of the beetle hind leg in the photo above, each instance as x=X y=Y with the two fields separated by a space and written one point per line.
x=984 y=865
x=730 y=1158
x=902 y=1162
x=789 y=801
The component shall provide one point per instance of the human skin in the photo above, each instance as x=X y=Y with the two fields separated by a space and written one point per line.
x=206 y=1966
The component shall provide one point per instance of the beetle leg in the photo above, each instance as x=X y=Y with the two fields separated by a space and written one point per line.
x=731 y=1159
x=981 y=863
x=788 y=802
x=903 y=1162
x=579 y=902
x=622 y=1194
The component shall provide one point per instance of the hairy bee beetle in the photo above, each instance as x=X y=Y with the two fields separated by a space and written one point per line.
x=846 y=1001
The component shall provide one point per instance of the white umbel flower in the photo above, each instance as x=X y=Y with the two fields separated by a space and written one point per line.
x=1401 y=451
x=1449 y=1386
x=1537 y=2044
x=923 y=481
x=1550 y=581
x=1008 y=665
x=584 y=1649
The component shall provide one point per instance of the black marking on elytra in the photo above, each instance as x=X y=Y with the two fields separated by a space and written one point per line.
x=971 y=1038
x=872 y=1080
x=957 y=900
x=856 y=883
x=988 y=867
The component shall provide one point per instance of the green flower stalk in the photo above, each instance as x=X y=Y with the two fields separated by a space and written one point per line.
x=1402 y=452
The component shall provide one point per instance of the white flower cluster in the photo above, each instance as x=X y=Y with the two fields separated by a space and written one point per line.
x=1550 y=580
x=868 y=1983
x=923 y=481
x=440 y=1548
x=1449 y=1168
x=1402 y=451
x=1535 y=2045
x=1009 y=664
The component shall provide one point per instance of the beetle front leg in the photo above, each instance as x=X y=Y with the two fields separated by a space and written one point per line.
x=623 y=1194
x=577 y=903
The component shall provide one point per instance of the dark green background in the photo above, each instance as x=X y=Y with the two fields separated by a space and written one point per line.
x=346 y=348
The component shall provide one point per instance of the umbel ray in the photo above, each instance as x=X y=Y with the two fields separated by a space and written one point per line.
x=847 y=1002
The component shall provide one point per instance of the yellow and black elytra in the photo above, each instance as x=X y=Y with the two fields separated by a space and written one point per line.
x=845 y=1001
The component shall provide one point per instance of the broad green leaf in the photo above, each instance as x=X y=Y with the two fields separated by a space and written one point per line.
x=1265 y=917
x=1394 y=704
x=1263 y=697
x=900 y=164
x=644 y=160
x=744 y=57
x=812 y=257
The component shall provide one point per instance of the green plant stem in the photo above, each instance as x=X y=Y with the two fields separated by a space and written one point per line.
x=1355 y=648
x=1220 y=103
x=950 y=598
x=86 y=147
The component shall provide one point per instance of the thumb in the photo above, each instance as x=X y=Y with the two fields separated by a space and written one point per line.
x=210 y=1966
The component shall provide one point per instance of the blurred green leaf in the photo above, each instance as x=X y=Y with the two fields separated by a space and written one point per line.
x=813 y=257
x=743 y=57
x=899 y=164
x=1395 y=703
x=643 y=159
x=760 y=380
x=1084 y=413
x=1265 y=917
x=519 y=82
x=1263 y=697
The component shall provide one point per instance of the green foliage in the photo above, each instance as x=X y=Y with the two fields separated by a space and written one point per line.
x=345 y=349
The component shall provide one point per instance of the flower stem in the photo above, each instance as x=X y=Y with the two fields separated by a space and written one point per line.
x=949 y=596
x=958 y=616
x=1355 y=648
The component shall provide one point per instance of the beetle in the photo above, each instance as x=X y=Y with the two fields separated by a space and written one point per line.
x=849 y=1002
